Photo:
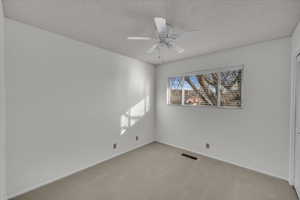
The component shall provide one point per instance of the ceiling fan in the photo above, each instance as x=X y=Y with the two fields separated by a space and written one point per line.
x=165 y=36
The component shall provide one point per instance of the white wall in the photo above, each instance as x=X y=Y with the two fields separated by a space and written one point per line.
x=296 y=142
x=296 y=39
x=66 y=100
x=2 y=109
x=256 y=137
x=294 y=82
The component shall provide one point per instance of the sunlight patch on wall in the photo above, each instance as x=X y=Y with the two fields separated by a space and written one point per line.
x=134 y=114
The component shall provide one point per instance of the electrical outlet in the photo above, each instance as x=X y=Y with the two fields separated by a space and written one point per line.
x=136 y=138
x=207 y=145
x=114 y=145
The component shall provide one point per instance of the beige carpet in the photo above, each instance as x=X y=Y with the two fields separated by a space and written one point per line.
x=159 y=172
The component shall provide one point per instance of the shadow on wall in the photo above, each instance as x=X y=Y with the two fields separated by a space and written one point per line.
x=134 y=114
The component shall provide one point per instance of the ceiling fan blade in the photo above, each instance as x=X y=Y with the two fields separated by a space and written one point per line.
x=160 y=24
x=178 y=49
x=139 y=38
x=153 y=48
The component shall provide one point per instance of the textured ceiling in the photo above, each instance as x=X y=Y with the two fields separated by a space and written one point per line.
x=107 y=23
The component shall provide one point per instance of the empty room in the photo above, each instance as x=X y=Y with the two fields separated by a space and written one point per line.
x=149 y=99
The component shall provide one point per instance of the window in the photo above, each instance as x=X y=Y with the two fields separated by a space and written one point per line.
x=230 y=88
x=175 y=88
x=218 y=88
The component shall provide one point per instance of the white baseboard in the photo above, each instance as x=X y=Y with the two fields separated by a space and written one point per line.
x=10 y=196
x=120 y=153
x=223 y=160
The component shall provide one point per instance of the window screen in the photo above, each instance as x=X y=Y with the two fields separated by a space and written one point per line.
x=175 y=90
x=201 y=89
x=230 y=88
x=220 y=88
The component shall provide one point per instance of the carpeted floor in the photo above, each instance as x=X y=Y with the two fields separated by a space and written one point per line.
x=159 y=172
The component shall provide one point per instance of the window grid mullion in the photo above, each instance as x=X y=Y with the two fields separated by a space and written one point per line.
x=219 y=89
x=182 y=91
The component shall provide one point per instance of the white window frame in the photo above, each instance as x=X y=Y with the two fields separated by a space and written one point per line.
x=207 y=71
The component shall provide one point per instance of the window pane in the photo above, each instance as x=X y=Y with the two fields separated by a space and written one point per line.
x=175 y=90
x=230 y=89
x=201 y=89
